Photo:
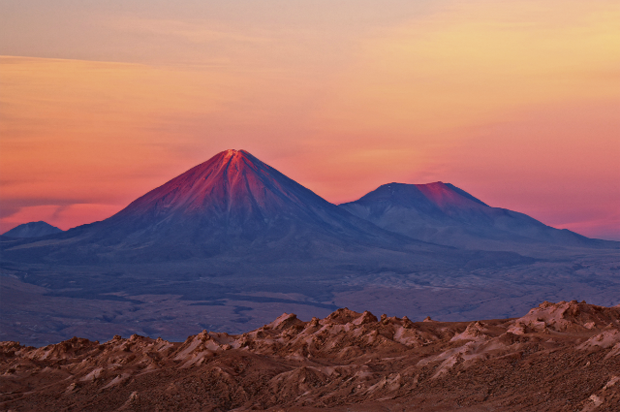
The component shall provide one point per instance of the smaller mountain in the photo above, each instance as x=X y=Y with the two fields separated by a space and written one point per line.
x=444 y=214
x=32 y=229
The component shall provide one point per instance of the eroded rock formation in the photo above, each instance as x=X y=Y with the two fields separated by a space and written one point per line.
x=559 y=357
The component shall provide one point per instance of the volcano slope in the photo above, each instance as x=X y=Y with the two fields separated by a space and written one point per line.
x=445 y=214
x=558 y=357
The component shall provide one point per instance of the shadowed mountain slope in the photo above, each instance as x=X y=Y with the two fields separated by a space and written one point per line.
x=32 y=229
x=444 y=214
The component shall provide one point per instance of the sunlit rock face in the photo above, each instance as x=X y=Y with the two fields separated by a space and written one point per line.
x=563 y=356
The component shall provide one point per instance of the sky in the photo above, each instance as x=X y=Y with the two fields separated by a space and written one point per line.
x=516 y=102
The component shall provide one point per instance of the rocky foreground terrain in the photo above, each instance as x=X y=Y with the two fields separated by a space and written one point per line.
x=559 y=357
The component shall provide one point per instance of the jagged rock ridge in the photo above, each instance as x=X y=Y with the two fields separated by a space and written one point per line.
x=560 y=357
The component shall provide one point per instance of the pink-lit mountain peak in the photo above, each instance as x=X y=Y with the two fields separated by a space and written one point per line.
x=446 y=195
x=431 y=196
x=232 y=182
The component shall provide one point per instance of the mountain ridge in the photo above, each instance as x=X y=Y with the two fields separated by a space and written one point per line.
x=234 y=204
x=234 y=193
x=347 y=360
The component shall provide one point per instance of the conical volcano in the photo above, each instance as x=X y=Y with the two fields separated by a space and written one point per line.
x=233 y=192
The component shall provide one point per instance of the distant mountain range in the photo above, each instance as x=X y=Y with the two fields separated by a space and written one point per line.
x=234 y=203
x=32 y=229
x=233 y=242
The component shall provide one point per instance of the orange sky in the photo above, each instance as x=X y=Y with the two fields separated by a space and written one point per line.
x=516 y=102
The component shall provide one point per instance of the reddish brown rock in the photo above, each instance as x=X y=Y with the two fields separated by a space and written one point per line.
x=559 y=357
